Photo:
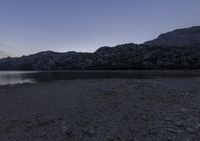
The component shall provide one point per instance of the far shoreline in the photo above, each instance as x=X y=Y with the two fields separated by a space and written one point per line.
x=29 y=77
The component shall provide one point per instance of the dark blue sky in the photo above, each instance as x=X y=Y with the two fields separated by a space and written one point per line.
x=29 y=26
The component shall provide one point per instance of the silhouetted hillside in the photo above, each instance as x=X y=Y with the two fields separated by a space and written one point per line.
x=179 y=37
x=174 y=50
x=128 y=56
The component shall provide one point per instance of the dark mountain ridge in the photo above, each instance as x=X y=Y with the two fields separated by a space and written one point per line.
x=166 y=52
x=179 y=37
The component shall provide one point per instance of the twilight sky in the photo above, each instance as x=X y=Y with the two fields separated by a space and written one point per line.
x=29 y=26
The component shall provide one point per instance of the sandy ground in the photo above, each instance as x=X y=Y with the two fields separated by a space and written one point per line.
x=102 y=110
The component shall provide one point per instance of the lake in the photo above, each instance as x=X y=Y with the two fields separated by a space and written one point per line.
x=20 y=77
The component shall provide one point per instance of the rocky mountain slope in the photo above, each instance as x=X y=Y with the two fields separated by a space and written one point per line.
x=128 y=56
x=179 y=49
x=179 y=37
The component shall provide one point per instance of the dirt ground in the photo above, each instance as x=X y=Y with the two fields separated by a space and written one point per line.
x=102 y=110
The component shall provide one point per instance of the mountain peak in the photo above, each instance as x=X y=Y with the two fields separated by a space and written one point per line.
x=179 y=37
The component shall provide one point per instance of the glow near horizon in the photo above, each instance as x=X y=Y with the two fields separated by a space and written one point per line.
x=30 y=26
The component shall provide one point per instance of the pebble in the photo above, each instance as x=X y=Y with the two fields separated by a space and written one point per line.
x=145 y=118
x=171 y=130
x=169 y=138
x=90 y=132
x=43 y=134
x=65 y=129
x=30 y=125
x=130 y=138
x=197 y=125
x=179 y=124
x=100 y=120
x=153 y=131
x=188 y=139
x=80 y=137
x=168 y=119
x=190 y=130
x=110 y=138
x=184 y=110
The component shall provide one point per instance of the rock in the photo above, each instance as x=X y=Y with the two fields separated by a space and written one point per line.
x=144 y=117
x=188 y=139
x=134 y=139
x=179 y=123
x=130 y=138
x=65 y=129
x=44 y=134
x=153 y=131
x=197 y=125
x=183 y=110
x=29 y=125
x=99 y=121
x=169 y=138
x=80 y=137
x=171 y=130
x=190 y=130
x=58 y=120
x=90 y=132
x=109 y=138
x=168 y=119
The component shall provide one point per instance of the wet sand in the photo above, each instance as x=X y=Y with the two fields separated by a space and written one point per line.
x=102 y=110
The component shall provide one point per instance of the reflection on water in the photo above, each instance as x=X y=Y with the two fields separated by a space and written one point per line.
x=15 y=77
x=19 y=77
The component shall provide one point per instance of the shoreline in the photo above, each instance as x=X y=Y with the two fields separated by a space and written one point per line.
x=18 y=77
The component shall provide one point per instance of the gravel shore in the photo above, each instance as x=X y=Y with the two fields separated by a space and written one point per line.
x=102 y=110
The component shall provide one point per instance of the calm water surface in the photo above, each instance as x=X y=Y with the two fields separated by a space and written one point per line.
x=20 y=77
